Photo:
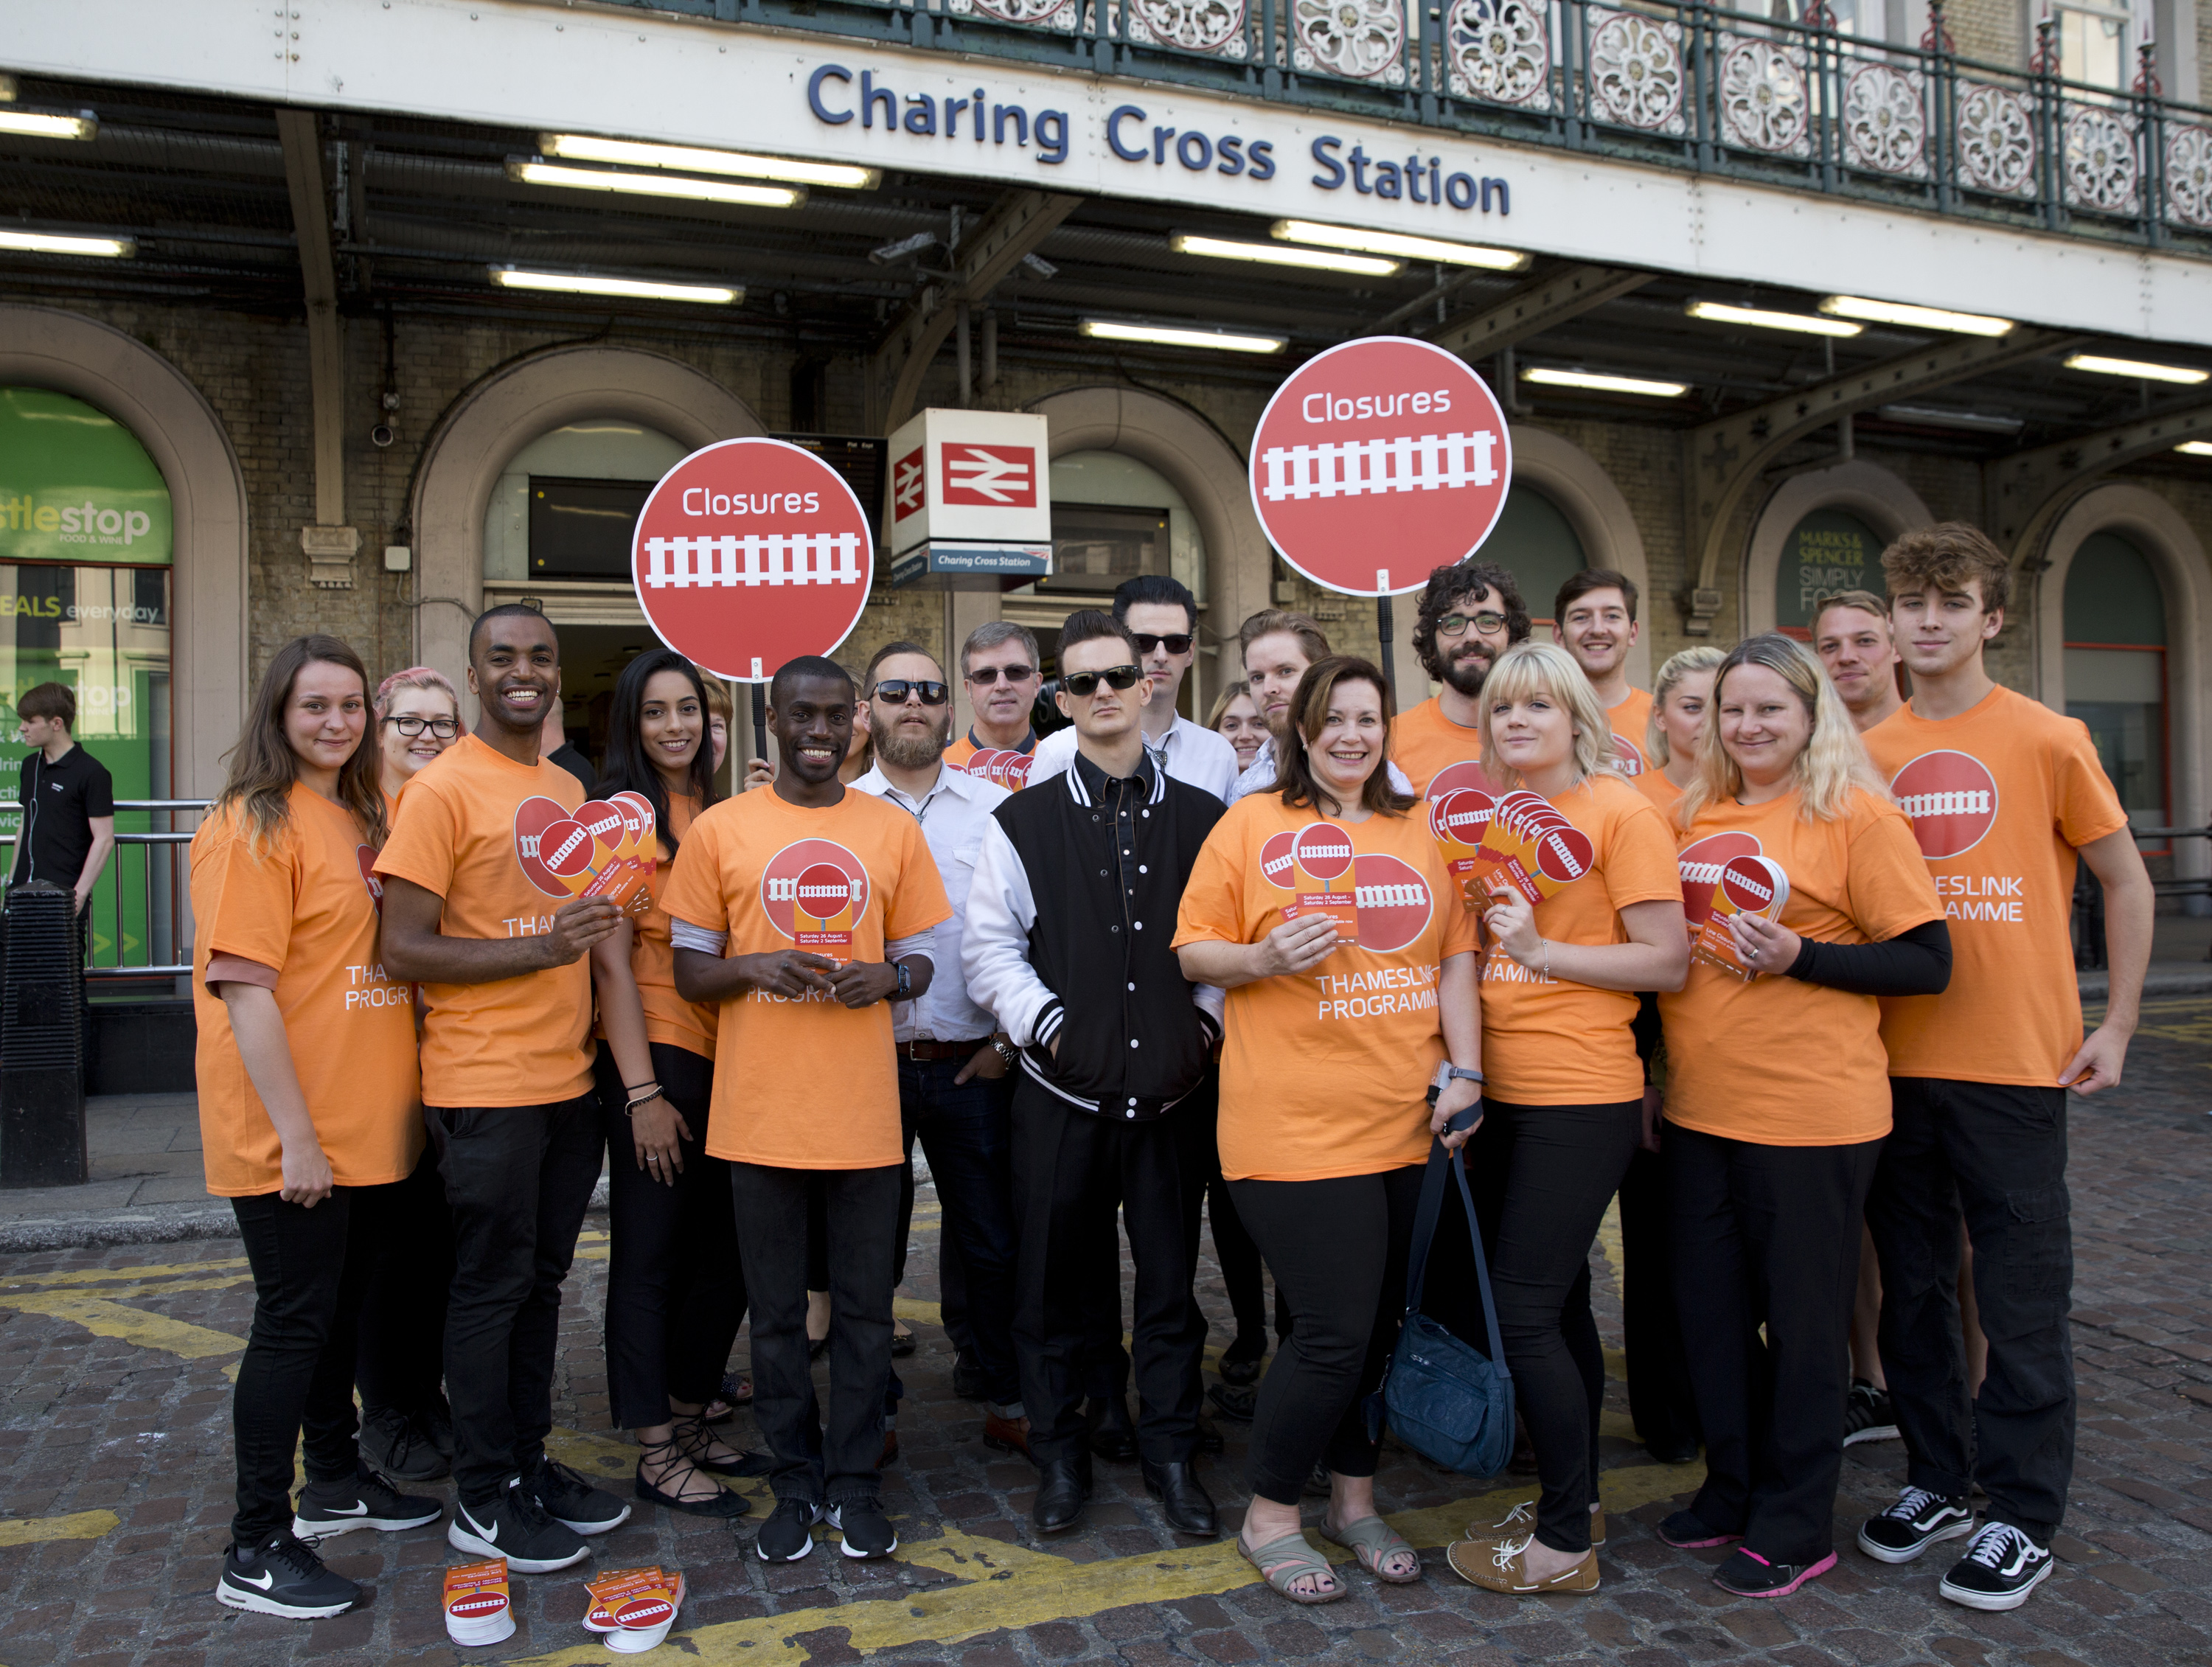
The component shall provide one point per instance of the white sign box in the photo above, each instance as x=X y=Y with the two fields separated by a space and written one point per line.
x=970 y=477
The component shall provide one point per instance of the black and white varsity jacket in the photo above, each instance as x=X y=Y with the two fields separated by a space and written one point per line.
x=1069 y=920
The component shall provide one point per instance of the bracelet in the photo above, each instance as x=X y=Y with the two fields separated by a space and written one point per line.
x=630 y=1110
x=632 y=1087
x=1546 y=943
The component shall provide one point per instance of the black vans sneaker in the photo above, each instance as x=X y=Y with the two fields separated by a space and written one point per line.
x=1916 y=1521
x=367 y=1501
x=517 y=1528
x=281 y=1576
x=787 y=1535
x=1999 y=1570
x=1867 y=1415
x=867 y=1531
x=571 y=1500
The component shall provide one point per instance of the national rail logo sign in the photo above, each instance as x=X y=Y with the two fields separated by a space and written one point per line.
x=1002 y=475
x=750 y=553
x=815 y=893
x=1377 y=461
x=1952 y=799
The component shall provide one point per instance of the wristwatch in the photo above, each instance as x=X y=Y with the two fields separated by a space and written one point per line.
x=1005 y=1049
x=905 y=990
x=1448 y=1071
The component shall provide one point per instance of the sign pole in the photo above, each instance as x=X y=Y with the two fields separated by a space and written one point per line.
x=1385 y=630
x=760 y=720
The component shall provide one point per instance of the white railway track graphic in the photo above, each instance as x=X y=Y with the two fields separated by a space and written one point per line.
x=1430 y=463
x=755 y=559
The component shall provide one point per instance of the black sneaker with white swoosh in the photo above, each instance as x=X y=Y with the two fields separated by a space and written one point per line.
x=367 y=1501
x=2000 y=1568
x=282 y=1576
x=517 y=1528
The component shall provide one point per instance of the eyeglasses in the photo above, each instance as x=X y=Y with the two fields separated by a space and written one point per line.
x=1084 y=684
x=1455 y=624
x=444 y=728
x=1178 y=644
x=987 y=675
x=896 y=690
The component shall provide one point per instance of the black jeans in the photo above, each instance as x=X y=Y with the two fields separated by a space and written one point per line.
x=518 y=1180
x=401 y=1363
x=861 y=1207
x=313 y=1267
x=1543 y=1175
x=1071 y=1168
x=1197 y=1124
x=1768 y=1235
x=1338 y=1249
x=1660 y=1399
x=966 y=1130
x=1996 y=1154
x=676 y=1285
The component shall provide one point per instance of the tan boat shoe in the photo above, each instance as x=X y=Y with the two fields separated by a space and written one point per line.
x=1502 y=1566
x=1521 y=1519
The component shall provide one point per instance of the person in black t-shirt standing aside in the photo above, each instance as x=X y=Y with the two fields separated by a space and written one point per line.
x=68 y=798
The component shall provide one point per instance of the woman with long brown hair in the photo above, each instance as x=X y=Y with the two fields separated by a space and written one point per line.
x=309 y=1119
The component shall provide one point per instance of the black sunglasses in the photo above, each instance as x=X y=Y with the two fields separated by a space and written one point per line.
x=987 y=675
x=1084 y=684
x=1178 y=644
x=896 y=690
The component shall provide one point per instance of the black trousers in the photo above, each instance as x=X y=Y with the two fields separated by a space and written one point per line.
x=1768 y=1235
x=860 y=1211
x=1071 y=1168
x=402 y=1362
x=676 y=1285
x=518 y=1180
x=1197 y=1122
x=1660 y=1399
x=1996 y=1154
x=1543 y=1175
x=313 y=1267
x=1338 y=1249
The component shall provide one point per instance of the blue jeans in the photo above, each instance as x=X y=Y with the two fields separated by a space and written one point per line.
x=966 y=1131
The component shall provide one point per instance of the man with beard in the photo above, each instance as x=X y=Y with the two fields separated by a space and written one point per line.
x=1594 y=620
x=954 y=1089
x=1470 y=613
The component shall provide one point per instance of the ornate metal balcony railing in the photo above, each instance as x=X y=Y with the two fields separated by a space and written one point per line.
x=1671 y=82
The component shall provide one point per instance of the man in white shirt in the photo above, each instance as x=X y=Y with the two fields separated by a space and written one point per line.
x=954 y=1089
x=1276 y=648
x=1162 y=615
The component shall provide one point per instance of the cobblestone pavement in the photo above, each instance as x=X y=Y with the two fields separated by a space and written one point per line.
x=114 y=1460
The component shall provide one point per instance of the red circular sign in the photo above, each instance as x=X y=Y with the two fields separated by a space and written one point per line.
x=1394 y=904
x=824 y=890
x=1565 y=854
x=1463 y=817
x=1952 y=799
x=1323 y=851
x=1277 y=863
x=1378 y=461
x=1701 y=865
x=1746 y=882
x=750 y=553
x=790 y=879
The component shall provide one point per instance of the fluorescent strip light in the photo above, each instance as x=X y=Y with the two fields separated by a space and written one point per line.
x=50 y=243
x=1396 y=243
x=7 y=90
x=2137 y=368
x=1759 y=318
x=1276 y=254
x=658 y=185
x=38 y=125
x=1115 y=330
x=1936 y=416
x=585 y=147
x=1584 y=379
x=2196 y=447
x=1915 y=318
x=577 y=283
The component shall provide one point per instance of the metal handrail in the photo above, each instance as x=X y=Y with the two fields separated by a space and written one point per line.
x=171 y=807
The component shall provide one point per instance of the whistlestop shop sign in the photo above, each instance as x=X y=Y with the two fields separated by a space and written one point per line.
x=1378 y=461
x=750 y=553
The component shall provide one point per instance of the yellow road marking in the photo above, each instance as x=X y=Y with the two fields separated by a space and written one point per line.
x=106 y=1318
x=1013 y=1586
x=102 y=1276
x=83 y=1526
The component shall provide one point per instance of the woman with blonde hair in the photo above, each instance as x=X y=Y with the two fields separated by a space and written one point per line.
x=1680 y=694
x=308 y=1095
x=419 y=716
x=1563 y=1104
x=1813 y=899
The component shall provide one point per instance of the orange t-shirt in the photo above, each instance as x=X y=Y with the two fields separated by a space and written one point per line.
x=668 y=1017
x=305 y=907
x=1774 y=1060
x=467 y=821
x=1009 y=769
x=1425 y=744
x=1663 y=794
x=1552 y=1041
x=2001 y=797
x=1632 y=721
x=1326 y=1073
x=806 y=1083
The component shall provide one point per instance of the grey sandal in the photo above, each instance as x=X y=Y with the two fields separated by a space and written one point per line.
x=1291 y=1558
x=1370 y=1539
